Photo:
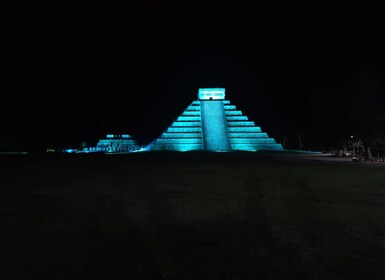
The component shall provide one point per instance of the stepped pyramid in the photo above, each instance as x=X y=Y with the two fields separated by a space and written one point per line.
x=211 y=123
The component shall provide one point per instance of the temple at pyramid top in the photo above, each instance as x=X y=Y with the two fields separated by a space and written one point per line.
x=211 y=123
x=211 y=94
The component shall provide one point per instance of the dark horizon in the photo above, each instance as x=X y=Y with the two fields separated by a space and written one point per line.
x=75 y=73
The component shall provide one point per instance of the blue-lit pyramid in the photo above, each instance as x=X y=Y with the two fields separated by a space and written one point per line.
x=211 y=123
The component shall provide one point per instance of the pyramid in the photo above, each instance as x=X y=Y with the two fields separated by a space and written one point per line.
x=212 y=123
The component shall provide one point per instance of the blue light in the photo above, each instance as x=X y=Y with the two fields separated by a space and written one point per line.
x=181 y=135
x=211 y=94
x=234 y=113
x=192 y=113
x=70 y=150
x=186 y=124
x=230 y=107
x=179 y=141
x=214 y=126
x=252 y=141
x=245 y=129
x=113 y=143
x=189 y=118
x=241 y=123
x=184 y=129
x=212 y=123
x=248 y=134
x=236 y=118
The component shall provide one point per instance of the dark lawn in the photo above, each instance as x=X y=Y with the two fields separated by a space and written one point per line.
x=190 y=216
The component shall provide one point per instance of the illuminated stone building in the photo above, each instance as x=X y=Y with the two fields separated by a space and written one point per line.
x=212 y=123
x=115 y=143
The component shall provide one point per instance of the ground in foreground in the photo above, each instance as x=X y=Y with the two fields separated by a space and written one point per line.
x=190 y=216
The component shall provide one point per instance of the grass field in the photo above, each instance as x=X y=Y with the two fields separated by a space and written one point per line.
x=190 y=216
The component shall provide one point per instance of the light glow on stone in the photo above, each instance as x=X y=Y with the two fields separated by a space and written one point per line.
x=211 y=94
x=214 y=127
x=212 y=123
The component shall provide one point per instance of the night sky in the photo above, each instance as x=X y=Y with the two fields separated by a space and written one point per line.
x=73 y=72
